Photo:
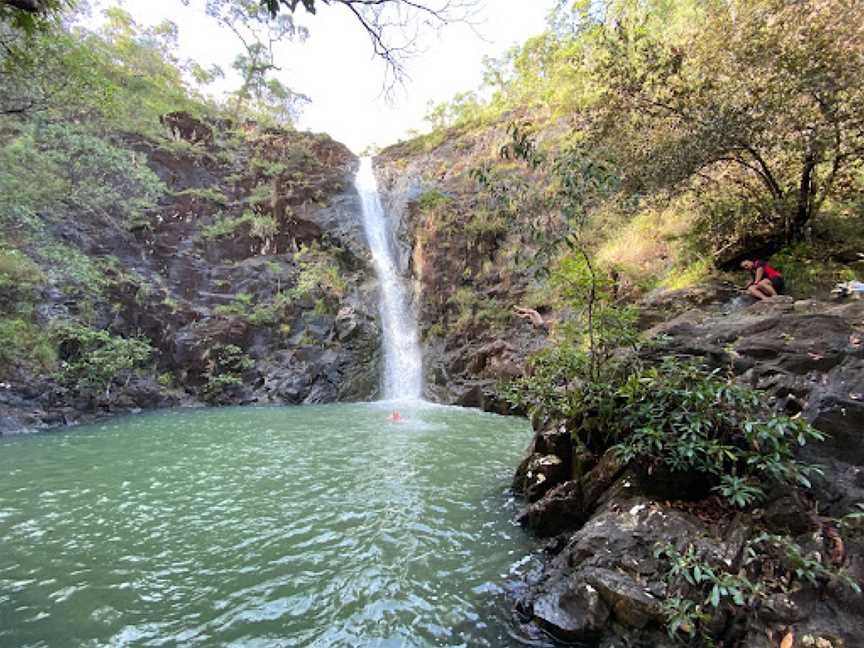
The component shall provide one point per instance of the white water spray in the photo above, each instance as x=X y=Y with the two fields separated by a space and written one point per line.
x=403 y=360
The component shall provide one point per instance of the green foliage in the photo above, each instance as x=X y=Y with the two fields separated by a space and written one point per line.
x=475 y=310
x=485 y=224
x=677 y=417
x=770 y=564
x=226 y=367
x=259 y=226
x=125 y=76
x=320 y=274
x=94 y=360
x=18 y=272
x=433 y=200
x=239 y=306
x=41 y=18
x=208 y=193
x=261 y=95
x=23 y=343
x=54 y=168
x=680 y=417
x=809 y=270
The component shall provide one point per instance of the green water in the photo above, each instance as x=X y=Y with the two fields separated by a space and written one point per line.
x=319 y=526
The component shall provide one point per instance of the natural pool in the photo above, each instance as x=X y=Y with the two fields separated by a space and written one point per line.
x=314 y=526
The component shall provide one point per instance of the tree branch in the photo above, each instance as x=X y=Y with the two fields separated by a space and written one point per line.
x=30 y=6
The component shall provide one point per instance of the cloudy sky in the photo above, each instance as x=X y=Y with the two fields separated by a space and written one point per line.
x=336 y=69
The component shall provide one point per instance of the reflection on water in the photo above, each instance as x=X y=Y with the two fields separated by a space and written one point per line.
x=319 y=526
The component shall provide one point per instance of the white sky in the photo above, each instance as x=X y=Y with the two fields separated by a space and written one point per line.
x=336 y=69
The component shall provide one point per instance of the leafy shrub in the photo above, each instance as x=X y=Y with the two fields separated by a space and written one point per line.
x=770 y=564
x=320 y=274
x=432 y=200
x=260 y=226
x=78 y=170
x=473 y=309
x=808 y=268
x=227 y=364
x=23 y=343
x=687 y=419
x=678 y=417
x=208 y=193
x=94 y=360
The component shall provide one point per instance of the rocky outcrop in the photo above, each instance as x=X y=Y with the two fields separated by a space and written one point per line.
x=601 y=581
x=257 y=244
x=460 y=258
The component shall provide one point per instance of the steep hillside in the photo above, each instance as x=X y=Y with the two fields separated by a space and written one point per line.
x=246 y=280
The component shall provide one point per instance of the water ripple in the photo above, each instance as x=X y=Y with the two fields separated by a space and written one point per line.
x=318 y=527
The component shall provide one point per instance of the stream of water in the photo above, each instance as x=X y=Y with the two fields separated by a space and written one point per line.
x=319 y=526
x=403 y=361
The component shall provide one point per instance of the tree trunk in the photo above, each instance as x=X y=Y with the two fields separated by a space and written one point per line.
x=803 y=208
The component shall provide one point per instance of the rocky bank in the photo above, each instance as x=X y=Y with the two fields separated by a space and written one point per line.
x=600 y=583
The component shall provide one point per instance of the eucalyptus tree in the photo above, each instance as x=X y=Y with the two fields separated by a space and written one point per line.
x=258 y=32
x=394 y=27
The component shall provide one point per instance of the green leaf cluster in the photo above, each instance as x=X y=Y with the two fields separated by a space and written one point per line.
x=92 y=360
x=770 y=564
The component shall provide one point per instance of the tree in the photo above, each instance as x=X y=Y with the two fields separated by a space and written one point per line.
x=258 y=33
x=29 y=16
x=762 y=97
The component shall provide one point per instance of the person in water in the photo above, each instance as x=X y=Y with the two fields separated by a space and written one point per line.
x=395 y=417
x=767 y=281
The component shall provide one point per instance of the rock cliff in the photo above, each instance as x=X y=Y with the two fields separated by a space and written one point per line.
x=250 y=281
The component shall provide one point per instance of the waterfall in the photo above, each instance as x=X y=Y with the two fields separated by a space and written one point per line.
x=403 y=360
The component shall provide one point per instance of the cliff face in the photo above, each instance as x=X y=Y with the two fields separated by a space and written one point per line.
x=250 y=281
x=467 y=266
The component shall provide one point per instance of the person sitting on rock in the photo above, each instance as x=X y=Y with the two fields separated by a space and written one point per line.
x=767 y=281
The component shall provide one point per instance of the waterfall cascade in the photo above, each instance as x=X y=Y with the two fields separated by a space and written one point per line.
x=403 y=360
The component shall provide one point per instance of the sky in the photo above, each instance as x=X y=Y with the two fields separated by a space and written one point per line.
x=336 y=68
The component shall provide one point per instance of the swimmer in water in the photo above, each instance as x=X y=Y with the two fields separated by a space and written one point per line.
x=395 y=416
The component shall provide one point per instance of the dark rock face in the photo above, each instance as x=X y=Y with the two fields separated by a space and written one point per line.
x=464 y=360
x=198 y=274
x=602 y=584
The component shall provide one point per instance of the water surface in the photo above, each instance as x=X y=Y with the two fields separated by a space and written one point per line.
x=314 y=526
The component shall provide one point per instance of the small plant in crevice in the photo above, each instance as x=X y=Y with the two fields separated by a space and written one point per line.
x=227 y=364
x=699 y=588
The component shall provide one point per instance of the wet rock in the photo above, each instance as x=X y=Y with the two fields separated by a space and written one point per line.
x=788 y=514
x=600 y=478
x=348 y=323
x=538 y=474
x=571 y=613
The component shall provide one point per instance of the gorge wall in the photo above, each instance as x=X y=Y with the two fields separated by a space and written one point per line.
x=250 y=280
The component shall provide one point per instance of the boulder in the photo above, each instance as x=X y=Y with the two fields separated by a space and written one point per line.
x=558 y=510
x=538 y=474
x=631 y=603
x=571 y=612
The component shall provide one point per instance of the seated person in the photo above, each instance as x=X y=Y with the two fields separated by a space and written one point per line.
x=767 y=281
